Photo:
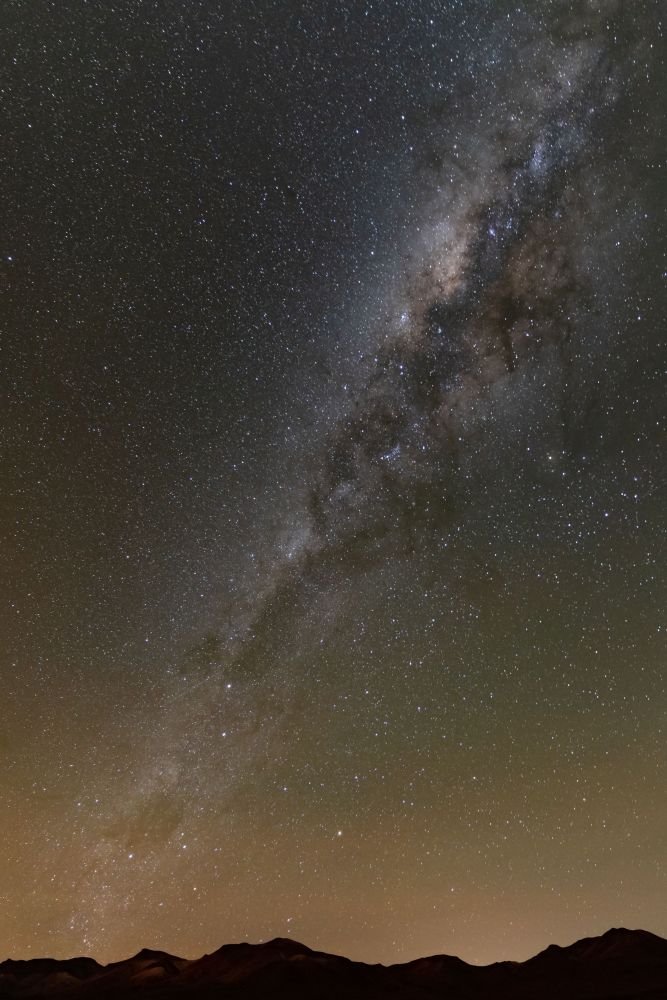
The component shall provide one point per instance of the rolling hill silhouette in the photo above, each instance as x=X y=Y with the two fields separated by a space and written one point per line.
x=620 y=965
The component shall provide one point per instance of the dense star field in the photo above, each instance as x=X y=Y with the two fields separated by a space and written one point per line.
x=333 y=476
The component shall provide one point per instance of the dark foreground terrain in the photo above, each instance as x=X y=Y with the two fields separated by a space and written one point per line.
x=621 y=964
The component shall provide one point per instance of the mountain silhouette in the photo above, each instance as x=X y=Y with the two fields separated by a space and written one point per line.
x=619 y=965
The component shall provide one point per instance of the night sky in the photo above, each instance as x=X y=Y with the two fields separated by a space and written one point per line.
x=333 y=520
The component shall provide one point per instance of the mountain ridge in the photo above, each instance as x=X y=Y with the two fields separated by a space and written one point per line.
x=620 y=964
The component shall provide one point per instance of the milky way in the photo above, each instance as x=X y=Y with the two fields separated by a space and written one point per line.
x=489 y=313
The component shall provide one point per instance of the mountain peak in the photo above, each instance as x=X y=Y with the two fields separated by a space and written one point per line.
x=614 y=944
x=152 y=955
x=286 y=944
